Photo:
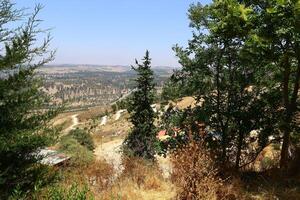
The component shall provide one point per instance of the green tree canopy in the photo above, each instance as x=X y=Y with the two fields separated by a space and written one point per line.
x=242 y=61
x=141 y=140
x=23 y=117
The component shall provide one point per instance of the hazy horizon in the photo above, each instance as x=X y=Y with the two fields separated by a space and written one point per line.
x=109 y=65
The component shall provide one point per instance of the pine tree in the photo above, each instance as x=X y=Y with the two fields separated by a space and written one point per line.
x=23 y=117
x=142 y=137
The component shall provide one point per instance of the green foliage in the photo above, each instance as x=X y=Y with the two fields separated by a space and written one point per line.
x=23 y=118
x=141 y=140
x=123 y=104
x=275 y=42
x=80 y=155
x=72 y=193
x=172 y=91
x=235 y=46
x=83 y=138
x=114 y=107
x=218 y=75
x=44 y=176
x=267 y=163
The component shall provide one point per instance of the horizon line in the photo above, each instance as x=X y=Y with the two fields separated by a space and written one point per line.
x=109 y=65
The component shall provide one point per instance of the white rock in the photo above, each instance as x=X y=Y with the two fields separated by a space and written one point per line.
x=103 y=120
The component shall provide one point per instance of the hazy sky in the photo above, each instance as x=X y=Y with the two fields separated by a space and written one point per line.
x=115 y=31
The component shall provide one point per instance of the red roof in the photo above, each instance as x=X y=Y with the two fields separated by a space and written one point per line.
x=161 y=133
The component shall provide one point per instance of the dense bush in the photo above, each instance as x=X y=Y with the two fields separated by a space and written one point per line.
x=80 y=155
x=74 y=192
x=83 y=138
x=267 y=163
x=195 y=175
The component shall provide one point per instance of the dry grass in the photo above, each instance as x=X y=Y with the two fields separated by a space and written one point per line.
x=63 y=119
x=195 y=175
x=270 y=184
x=94 y=112
x=112 y=130
x=139 y=180
x=186 y=102
x=100 y=175
x=85 y=180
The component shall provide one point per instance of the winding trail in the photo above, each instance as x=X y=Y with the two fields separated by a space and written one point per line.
x=75 y=122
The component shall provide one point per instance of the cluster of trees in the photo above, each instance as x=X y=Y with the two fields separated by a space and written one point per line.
x=243 y=64
x=23 y=119
x=121 y=104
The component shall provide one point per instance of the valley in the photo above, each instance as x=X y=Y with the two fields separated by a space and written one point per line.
x=79 y=87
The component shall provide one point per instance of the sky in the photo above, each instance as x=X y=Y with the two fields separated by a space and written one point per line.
x=115 y=32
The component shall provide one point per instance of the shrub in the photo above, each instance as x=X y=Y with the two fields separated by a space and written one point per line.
x=140 y=171
x=140 y=179
x=43 y=176
x=100 y=175
x=195 y=175
x=58 y=192
x=80 y=155
x=83 y=138
x=267 y=163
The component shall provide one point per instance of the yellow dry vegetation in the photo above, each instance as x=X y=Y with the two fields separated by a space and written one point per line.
x=185 y=102
x=93 y=113
x=63 y=120
x=139 y=180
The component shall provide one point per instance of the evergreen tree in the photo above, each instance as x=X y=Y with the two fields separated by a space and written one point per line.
x=141 y=140
x=23 y=117
x=172 y=90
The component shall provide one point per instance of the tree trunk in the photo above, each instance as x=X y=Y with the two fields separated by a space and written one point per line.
x=220 y=125
x=239 y=149
x=285 y=148
x=285 y=129
x=290 y=110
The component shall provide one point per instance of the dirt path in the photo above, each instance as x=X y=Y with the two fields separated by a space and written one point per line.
x=110 y=151
x=118 y=114
x=103 y=120
x=75 y=122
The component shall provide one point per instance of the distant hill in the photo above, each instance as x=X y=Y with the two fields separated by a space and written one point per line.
x=82 y=86
x=74 y=68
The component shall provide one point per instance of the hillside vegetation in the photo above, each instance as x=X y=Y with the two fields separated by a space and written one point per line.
x=224 y=126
